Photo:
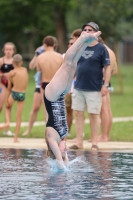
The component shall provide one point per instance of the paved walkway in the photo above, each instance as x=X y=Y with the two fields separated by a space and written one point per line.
x=41 y=123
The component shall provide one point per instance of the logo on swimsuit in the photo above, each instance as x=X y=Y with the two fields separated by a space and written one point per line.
x=88 y=54
x=6 y=66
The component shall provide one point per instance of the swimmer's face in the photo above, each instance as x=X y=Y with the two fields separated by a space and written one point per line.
x=9 y=50
x=63 y=147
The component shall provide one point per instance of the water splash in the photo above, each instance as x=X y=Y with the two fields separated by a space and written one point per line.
x=70 y=166
x=80 y=159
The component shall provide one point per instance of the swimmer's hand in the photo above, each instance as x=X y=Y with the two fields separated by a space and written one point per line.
x=89 y=37
x=39 y=50
x=97 y=34
x=60 y=164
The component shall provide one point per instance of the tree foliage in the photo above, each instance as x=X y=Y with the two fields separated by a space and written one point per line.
x=114 y=17
x=27 y=22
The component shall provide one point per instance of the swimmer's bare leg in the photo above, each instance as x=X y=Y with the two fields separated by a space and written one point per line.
x=20 y=105
x=63 y=78
x=75 y=50
x=9 y=104
x=51 y=136
x=37 y=102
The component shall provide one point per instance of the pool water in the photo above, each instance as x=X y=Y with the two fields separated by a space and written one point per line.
x=25 y=175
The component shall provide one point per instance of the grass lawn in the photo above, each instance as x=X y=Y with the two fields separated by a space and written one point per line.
x=121 y=104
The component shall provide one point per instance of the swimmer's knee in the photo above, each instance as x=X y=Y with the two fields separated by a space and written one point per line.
x=36 y=109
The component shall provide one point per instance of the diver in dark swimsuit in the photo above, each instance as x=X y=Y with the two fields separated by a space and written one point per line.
x=60 y=84
x=57 y=115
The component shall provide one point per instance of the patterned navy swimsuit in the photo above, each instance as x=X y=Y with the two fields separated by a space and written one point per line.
x=57 y=115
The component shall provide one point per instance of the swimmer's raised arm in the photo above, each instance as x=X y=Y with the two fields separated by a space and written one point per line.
x=32 y=64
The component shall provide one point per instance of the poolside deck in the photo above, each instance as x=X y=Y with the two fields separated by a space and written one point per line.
x=35 y=143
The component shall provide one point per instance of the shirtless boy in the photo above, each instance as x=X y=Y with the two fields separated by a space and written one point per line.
x=49 y=61
x=37 y=98
x=17 y=84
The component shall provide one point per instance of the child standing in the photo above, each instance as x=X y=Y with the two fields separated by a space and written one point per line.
x=17 y=84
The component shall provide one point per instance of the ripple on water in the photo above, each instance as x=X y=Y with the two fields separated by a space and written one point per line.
x=25 y=174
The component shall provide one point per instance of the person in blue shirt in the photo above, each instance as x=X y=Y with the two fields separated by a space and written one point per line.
x=89 y=87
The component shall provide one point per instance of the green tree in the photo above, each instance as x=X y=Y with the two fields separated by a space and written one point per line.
x=114 y=17
x=27 y=22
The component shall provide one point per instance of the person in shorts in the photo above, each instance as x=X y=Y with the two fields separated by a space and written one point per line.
x=89 y=87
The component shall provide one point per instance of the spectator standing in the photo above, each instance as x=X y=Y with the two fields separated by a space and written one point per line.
x=106 y=113
x=37 y=98
x=89 y=87
x=6 y=66
x=17 y=84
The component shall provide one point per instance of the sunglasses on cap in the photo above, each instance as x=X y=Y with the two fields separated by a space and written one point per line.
x=88 y=29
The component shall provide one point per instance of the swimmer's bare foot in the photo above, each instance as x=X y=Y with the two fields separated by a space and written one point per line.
x=16 y=140
x=75 y=147
x=103 y=139
x=89 y=36
x=73 y=140
x=94 y=147
x=90 y=140
x=25 y=133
